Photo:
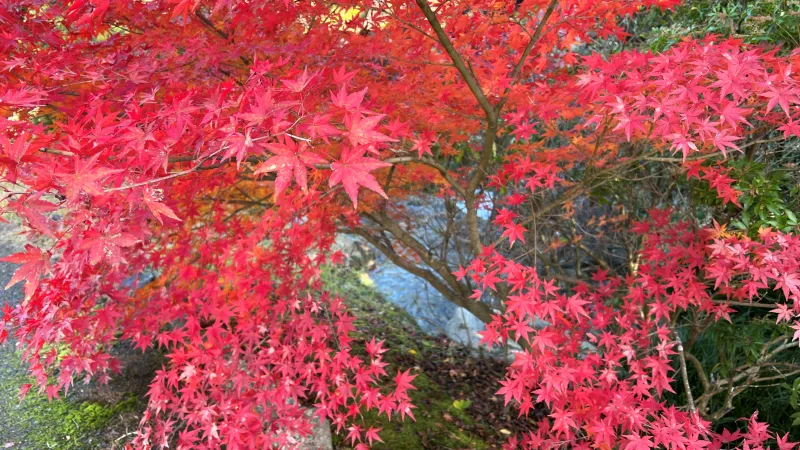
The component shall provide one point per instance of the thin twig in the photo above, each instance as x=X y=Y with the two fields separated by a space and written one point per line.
x=167 y=177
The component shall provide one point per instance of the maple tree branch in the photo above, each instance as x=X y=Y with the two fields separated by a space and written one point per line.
x=471 y=81
x=762 y=141
x=241 y=202
x=224 y=35
x=781 y=376
x=680 y=160
x=426 y=255
x=515 y=73
x=449 y=207
x=478 y=176
x=166 y=177
x=434 y=164
x=685 y=376
x=747 y=375
x=459 y=294
x=479 y=309
x=56 y=152
x=425 y=63
x=698 y=367
x=388 y=184
x=744 y=304
x=207 y=22
x=597 y=258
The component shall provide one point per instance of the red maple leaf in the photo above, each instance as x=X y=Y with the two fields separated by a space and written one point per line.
x=85 y=179
x=35 y=263
x=159 y=209
x=404 y=379
x=15 y=152
x=350 y=102
x=636 y=442
x=183 y=8
x=106 y=246
x=372 y=435
x=361 y=130
x=789 y=283
x=513 y=232
x=28 y=97
x=300 y=83
x=289 y=158
x=353 y=170
x=238 y=146
x=33 y=210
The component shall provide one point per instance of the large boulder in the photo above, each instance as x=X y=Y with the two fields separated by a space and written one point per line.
x=463 y=327
x=358 y=254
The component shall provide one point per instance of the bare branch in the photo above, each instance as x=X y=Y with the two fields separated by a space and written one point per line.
x=515 y=73
x=698 y=367
x=436 y=165
x=685 y=375
x=444 y=40
x=479 y=309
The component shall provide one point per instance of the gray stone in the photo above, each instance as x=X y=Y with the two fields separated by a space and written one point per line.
x=320 y=437
x=358 y=253
x=463 y=327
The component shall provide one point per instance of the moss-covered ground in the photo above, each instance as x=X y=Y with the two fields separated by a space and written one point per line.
x=441 y=420
x=446 y=418
x=74 y=423
x=89 y=418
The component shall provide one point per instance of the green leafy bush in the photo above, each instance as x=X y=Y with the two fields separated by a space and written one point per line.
x=774 y=22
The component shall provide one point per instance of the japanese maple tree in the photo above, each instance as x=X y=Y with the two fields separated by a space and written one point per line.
x=224 y=144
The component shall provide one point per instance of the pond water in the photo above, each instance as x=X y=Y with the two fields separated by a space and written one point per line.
x=433 y=312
